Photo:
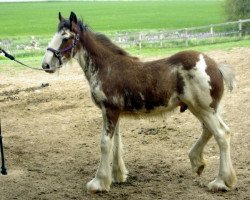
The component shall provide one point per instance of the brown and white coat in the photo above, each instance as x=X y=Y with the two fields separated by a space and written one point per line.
x=122 y=85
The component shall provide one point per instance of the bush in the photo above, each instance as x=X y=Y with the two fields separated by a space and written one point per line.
x=237 y=9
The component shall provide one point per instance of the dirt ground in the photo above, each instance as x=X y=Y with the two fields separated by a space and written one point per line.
x=52 y=133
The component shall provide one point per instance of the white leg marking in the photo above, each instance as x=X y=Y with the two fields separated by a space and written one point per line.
x=226 y=178
x=196 y=152
x=119 y=170
x=102 y=180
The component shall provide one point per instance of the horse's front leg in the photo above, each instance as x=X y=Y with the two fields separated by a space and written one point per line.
x=119 y=171
x=103 y=178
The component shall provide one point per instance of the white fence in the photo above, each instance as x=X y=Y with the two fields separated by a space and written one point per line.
x=203 y=35
x=213 y=33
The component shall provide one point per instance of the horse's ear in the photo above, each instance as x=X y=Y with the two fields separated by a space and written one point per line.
x=73 y=18
x=60 y=17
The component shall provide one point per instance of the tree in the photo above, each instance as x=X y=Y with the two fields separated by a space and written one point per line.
x=237 y=9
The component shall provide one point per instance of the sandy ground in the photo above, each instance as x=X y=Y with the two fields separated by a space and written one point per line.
x=52 y=134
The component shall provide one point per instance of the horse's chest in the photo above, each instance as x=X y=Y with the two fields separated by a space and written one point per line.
x=97 y=94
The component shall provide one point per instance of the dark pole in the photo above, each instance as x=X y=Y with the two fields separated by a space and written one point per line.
x=3 y=168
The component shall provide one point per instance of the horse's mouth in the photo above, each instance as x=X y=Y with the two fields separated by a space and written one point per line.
x=47 y=68
x=50 y=71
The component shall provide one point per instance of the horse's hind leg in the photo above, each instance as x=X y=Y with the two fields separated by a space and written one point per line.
x=226 y=178
x=119 y=171
x=196 y=152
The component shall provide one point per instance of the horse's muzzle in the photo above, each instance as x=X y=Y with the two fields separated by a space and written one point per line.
x=47 y=68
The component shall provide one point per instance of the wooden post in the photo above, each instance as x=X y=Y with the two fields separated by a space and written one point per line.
x=186 y=37
x=161 y=38
x=211 y=29
x=240 y=28
x=212 y=32
x=140 y=39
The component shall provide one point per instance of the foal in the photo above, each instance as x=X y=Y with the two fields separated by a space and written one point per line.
x=123 y=85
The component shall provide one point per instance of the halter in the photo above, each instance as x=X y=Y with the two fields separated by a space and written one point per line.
x=59 y=53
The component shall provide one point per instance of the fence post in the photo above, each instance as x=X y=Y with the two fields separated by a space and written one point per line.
x=240 y=28
x=161 y=38
x=212 y=32
x=186 y=37
x=140 y=39
x=211 y=29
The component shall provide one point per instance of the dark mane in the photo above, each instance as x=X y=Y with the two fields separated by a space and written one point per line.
x=101 y=38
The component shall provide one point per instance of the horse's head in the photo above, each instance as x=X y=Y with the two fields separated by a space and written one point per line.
x=63 y=45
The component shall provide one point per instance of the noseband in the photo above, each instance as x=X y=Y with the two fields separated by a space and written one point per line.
x=59 y=53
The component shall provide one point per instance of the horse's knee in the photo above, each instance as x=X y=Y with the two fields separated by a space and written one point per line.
x=106 y=143
x=223 y=139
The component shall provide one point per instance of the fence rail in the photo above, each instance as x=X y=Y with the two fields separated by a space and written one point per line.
x=214 y=33
x=184 y=37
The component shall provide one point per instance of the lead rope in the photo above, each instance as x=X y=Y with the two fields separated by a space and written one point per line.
x=9 y=56
x=3 y=168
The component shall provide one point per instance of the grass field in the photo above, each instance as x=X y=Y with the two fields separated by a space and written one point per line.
x=20 y=21
x=35 y=60
x=40 y=19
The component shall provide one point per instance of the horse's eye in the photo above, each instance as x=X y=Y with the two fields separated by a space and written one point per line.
x=65 y=39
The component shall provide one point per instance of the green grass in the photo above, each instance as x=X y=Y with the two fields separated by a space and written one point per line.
x=12 y=67
x=40 y=18
x=20 y=21
x=151 y=52
x=35 y=61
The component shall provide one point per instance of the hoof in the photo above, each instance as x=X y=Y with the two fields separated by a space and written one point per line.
x=120 y=178
x=197 y=162
x=200 y=169
x=218 y=185
x=96 y=185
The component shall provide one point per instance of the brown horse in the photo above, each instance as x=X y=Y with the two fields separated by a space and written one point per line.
x=123 y=85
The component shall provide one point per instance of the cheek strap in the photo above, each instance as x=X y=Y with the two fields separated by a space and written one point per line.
x=59 y=53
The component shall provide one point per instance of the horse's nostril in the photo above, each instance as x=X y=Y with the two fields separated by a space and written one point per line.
x=45 y=66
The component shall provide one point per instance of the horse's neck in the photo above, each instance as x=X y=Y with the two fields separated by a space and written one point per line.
x=93 y=56
x=93 y=47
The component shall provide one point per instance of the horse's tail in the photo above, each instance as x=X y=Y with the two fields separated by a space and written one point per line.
x=228 y=76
